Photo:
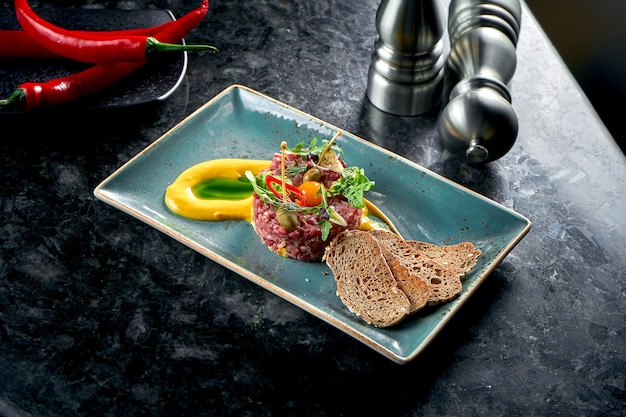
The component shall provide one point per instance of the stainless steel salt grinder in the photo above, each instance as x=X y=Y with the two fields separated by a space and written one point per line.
x=407 y=70
x=504 y=15
x=478 y=123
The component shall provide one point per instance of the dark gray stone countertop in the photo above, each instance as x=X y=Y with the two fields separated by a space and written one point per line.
x=101 y=315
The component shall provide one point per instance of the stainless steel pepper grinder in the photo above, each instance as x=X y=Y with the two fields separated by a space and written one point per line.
x=478 y=123
x=407 y=70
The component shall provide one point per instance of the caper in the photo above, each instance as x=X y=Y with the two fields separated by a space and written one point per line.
x=312 y=174
x=287 y=218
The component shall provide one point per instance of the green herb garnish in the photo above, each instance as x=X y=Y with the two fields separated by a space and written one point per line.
x=352 y=184
x=313 y=148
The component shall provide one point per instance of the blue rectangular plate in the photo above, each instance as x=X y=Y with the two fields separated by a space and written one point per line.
x=242 y=123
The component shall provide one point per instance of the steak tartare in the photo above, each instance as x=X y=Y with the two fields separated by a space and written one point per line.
x=305 y=198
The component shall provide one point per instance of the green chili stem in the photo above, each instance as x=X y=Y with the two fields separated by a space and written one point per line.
x=153 y=46
x=17 y=95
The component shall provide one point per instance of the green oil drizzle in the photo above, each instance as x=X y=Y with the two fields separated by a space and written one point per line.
x=222 y=188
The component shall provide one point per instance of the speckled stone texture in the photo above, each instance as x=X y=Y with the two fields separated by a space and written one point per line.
x=100 y=315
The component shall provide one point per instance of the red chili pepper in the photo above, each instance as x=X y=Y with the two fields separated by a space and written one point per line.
x=98 y=49
x=271 y=180
x=66 y=89
x=17 y=44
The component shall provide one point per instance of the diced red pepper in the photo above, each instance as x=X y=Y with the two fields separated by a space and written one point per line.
x=271 y=180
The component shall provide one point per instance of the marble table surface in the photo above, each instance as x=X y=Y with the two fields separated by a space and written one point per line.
x=101 y=315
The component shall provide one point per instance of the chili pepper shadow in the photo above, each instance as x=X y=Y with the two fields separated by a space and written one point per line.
x=62 y=129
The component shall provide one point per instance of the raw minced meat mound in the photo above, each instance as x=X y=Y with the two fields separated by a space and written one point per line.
x=305 y=242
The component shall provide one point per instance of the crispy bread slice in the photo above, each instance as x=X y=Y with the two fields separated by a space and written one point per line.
x=460 y=257
x=365 y=283
x=416 y=289
x=444 y=284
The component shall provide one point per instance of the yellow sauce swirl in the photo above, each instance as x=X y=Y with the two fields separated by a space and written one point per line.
x=181 y=199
